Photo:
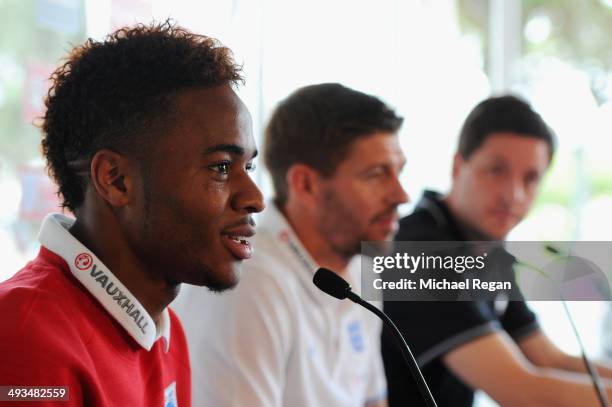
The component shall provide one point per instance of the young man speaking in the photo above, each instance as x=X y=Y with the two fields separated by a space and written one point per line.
x=276 y=340
x=151 y=150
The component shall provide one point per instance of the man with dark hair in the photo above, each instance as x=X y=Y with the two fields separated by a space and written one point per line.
x=277 y=340
x=151 y=150
x=496 y=346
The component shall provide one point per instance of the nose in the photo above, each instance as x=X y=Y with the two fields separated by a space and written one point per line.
x=397 y=193
x=516 y=190
x=248 y=197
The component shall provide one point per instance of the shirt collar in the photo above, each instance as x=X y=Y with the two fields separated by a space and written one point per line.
x=102 y=284
x=273 y=222
x=433 y=203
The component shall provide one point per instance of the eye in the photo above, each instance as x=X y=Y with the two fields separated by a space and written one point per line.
x=251 y=166
x=223 y=168
x=375 y=173
x=496 y=170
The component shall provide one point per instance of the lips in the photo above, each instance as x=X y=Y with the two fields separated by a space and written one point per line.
x=236 y=240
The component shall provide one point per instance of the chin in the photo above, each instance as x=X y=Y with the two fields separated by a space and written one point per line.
x=222 y=285
x=381 y=236
x=497 y=234
x=225 y=281
x=217 y=278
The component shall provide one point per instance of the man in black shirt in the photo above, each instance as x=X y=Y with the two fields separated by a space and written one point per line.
x=496 y=346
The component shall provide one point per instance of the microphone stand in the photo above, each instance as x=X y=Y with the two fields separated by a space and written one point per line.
x=406 y=353
x=592 y=371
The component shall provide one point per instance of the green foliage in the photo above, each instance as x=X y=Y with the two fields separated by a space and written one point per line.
x=22 y=42
x=559 y=183
x=581 y=31
x=599 y=173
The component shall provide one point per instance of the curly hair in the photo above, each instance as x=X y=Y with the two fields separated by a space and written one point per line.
x=117 y=94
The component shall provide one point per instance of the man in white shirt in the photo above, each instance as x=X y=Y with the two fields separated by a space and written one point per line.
x=276 y=340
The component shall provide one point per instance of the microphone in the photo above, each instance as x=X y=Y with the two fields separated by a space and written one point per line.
x=334 y=285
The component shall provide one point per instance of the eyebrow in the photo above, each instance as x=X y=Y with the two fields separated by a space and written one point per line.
x=380 y=164
x=228 y=148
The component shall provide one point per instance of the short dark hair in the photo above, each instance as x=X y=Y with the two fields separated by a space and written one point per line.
x=117 y=94
x=502 y=114
x=316 y=125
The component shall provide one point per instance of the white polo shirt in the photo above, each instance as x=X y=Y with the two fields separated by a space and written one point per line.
x=276 y=339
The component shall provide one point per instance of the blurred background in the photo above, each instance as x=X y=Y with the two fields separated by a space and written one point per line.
x=433 y=60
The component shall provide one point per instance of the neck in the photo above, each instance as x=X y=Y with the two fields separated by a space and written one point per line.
x=305 y=226
x=103 y=236
x=470 y=232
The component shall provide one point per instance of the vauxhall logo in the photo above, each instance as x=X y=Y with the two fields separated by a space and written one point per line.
x=83 y=261
x=113 y=291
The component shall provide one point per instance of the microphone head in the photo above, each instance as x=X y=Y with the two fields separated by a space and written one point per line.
x=331 y=283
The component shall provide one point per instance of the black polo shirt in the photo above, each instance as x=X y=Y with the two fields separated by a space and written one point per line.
x=432 y=329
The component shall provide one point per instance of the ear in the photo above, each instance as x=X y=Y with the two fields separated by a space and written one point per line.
x=303 y=183
x=458 y=162
x=111 y=177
